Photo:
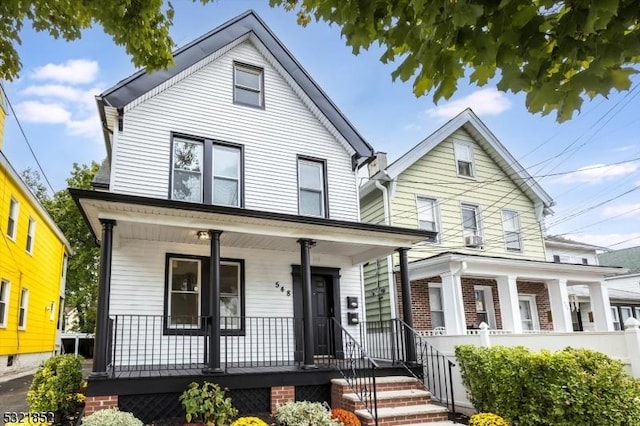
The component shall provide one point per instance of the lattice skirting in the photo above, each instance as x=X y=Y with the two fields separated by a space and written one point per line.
x=314 y=393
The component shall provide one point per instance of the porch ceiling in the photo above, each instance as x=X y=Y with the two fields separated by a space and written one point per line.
x=142 y=218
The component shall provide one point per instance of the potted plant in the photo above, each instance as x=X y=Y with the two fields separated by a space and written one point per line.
x=207 y=405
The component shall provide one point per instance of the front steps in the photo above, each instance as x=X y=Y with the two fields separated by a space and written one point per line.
x=401 y=401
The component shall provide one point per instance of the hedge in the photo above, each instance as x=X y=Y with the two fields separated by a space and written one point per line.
x=569 y=387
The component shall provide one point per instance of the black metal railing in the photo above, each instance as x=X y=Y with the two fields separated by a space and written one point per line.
x=388 y=339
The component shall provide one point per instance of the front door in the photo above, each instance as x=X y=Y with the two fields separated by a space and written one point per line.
x=322 y=313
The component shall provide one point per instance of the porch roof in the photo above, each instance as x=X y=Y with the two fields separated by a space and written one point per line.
x=153 y=219
x=494 y=266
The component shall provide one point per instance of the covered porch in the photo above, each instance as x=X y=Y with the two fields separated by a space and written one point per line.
x=454 y=293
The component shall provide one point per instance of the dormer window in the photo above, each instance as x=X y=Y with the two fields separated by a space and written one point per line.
x=464 y=159
x=248 y=82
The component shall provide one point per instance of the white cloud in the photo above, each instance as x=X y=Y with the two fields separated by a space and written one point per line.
x=65 y=93
x=624 y=148
x=597 y=173
x=628 y=210
x=56 y=113
x=613 y=240
x=74 y=71
x=483 y=102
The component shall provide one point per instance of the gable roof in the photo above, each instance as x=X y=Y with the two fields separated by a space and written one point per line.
x=559 y=241
x=140 y=83
x=468 y=120
x=629 y=258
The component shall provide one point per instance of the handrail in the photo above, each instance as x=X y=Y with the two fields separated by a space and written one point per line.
x=358 y=369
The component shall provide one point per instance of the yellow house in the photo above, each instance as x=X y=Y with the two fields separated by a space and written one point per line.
x=33 y=259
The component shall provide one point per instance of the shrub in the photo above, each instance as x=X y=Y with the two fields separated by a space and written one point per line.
x=487 y=419
x=304 y=413
x=346 y=417
x=208 y=404
x=249 y=421
x=565 y=388
x=55 y=386
x=111 y=417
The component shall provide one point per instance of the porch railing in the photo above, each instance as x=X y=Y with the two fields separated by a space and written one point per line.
x=387 y=340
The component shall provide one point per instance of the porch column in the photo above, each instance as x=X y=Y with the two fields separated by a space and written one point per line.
x=214 y=305
x=453 y=304
x=509 y=303
x=101 y=344
x=307 y=302
x=560 y=309
x=407 y=310
x=599 y=294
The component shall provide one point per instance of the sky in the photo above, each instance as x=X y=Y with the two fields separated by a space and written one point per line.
x=598 y=203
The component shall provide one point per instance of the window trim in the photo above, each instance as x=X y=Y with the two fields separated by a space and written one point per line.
x=238 y=64
x=7 y=286
x=491 y=311
x=167 y=330
x=436 y=213
x=478 y=215
x=31 y=236
x=14 y=234
x=520 y=248
x=207 y=168
x=431 y=310
x=325 y=183
x=457 y=143
x=23 y=306
x=534 y=310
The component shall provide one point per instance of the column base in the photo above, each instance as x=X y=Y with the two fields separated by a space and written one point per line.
x=309 y=367
x=98 y=375
x=210 y=370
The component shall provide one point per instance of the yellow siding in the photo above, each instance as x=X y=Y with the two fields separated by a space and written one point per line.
x=435 y=176
x=39 y=272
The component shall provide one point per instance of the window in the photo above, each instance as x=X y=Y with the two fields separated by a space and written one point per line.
x=24 y=304
x=483 y=299
x=230 y=297
x=435 y=305
x=4 y=302
x=511 y=225
x=427 y=216
x=248 y=81
x=625 y=313
x=585 y=261
x=184 y=293
x=12 y=225
x=219 y=182
x=31 y=233
x=471 y=226
x=464 y=159
x=636 y=311
x=528 y=312
x=615 y=318
x=226 y=175
x=556 y=258
x=312 y=192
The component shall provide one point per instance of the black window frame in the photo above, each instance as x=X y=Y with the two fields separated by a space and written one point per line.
x=167 y=330
x=250 y=67
x=207 y=168
x=325 y=183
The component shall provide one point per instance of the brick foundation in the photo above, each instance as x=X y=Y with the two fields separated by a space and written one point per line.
x=281 y=395
x=97 y=403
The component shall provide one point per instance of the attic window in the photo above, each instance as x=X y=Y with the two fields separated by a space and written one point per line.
x=464 y=159
x=248 y=82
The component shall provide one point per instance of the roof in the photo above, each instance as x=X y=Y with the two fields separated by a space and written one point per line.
x=102 y=178
x=141 y=82
x=4 y=162
x=566 y=242
x=629 y=258
x=468 y=120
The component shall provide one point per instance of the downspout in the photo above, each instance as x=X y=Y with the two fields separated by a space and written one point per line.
x=386 y=206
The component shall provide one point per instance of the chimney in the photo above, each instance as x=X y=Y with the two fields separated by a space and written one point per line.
x=3 y=114
x=379 y=163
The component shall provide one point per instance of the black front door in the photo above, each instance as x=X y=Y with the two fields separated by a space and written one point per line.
x=322 y=313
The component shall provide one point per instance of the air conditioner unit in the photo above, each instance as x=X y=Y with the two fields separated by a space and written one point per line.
x=473 y=241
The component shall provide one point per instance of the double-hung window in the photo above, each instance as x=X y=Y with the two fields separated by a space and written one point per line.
x=205 y=171
x=312 y=188
x=31 y=234
x=427 y=214
x=435 y=306
x=22 y=313
x=464 y=159
x=230 y=294
x=12 y=224
x=248 y=82
x=4 y=302
x=470 y=220
x=185 y=284
x=512 y=234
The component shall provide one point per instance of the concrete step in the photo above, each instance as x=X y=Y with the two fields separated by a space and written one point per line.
x=408 y=415
x=394 y=398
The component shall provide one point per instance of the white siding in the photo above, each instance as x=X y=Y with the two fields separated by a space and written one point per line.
x=137 y=288
x=202 y=105
x=572 y=255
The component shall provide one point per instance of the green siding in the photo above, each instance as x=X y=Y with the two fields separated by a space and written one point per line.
x=376 y=290
x=435 y=176
x=372 y=208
